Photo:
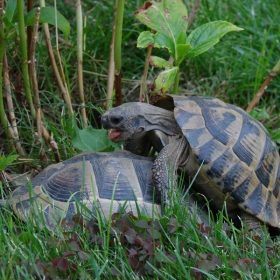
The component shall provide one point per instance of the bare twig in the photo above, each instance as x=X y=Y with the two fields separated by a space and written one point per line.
x=111 y=69
x=264 y=86
x=35 y=83
x=80 y=60
x=61 y=40
x=118 y=51
x=7 y=93
x=145 y=73
x=59 y=79
x=193 y=12
x=24 y=56
x=10 y=133
x=66 y=94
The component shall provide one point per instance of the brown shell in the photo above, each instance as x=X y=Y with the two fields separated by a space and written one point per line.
x=239 y=160
x=88 y=180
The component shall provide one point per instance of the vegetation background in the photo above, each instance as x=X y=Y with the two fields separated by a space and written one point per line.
x=233 y=70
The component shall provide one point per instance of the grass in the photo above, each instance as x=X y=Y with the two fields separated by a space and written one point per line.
x=233 y=70
x=173 y=247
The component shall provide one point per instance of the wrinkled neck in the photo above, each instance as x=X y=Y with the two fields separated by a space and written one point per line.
x=160 y=119
x=139 y=145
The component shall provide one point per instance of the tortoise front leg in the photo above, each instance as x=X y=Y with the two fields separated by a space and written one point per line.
x=165 y=167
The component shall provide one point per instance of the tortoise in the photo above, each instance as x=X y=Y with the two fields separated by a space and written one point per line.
x=105 y=183
x=237 y=160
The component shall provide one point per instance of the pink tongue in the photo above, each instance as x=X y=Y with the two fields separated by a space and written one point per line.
x=114 y=134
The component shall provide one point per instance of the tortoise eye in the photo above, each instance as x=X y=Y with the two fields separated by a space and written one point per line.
x=116 y=119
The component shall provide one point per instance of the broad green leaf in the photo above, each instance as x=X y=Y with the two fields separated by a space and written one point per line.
x=8 y=25
x=163 y=41
x=158 y=40
x=168 y=17
x=47 y=15
x=10 y=15
x=145 y=39
x=275 y=135
x=165 y=79
x=259 y=114
x=159 y=62
x=10 y=10
x=181 y=51
x=182 y=37
x=207 y=35
x=4 y=161
x=89 y=139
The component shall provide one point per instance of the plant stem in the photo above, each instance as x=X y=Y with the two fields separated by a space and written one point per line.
x=176 y=82
x=118 y=36
x=118 y=50
x=3 y=117
x=58 y=77
x=193 y=13
x=143 y=85
x=23 y=48
x=259 y=94
x=80 y=60
x=111 y=69
x=34 y=81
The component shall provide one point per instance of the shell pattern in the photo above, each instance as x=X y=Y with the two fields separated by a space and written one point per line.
x=92 y=179
x=239 y=160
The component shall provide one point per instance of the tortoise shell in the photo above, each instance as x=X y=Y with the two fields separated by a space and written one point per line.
x=93 y=179
x=239 y=161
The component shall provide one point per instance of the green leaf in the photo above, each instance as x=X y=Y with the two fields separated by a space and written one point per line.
x=182 y=50
x=10 y=11
x=168 y=17
x=47 y=15
x=89 y=139
x=5 y=161
x=259 y=113
x=275 y=135
x=207 y=35
x=10 y=15
x=145 y=39
x=165 y=79
x=159 y=62
x=182 y=37
x=158 y=40
x=163 y=41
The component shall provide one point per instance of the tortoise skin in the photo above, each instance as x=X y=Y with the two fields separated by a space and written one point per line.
x=240 y=162
x=92 y=179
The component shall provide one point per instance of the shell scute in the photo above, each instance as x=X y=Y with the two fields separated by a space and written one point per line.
x=219 y=123
x=256 y=200
x=209 y=152
x=222 y=164
x=268 y=164
x=187 y=120
x=66 y=182
x=239 y=158
x=197 y=137
x=247 y=147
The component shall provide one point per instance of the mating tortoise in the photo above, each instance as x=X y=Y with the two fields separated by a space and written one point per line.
x=104 y=183
x=91 y=179
x=238 y=162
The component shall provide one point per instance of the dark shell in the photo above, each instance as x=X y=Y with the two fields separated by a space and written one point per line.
x=91 y=179
x=240 y=161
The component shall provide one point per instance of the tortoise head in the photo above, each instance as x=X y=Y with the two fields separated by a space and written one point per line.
x=133 y=120
x=124 y=122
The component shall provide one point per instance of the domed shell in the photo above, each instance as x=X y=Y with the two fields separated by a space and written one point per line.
x=91 y=179
x=239 y=160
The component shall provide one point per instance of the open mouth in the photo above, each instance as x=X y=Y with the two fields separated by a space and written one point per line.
x=113 y=134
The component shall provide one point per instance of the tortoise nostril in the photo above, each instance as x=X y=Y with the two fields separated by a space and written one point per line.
x=116 y=119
